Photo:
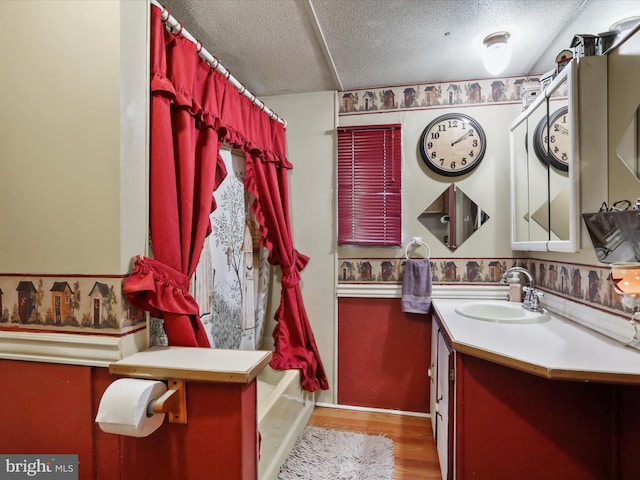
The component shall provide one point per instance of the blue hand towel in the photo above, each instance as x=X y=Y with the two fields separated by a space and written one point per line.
x=416 y=286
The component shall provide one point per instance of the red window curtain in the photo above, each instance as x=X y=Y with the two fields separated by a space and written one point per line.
x=193 y=111
x=370 y=185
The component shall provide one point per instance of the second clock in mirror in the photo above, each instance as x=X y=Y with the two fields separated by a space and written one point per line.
x=453 y=217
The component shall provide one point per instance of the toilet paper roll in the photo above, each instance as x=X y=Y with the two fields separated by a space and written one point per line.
x=123 y=407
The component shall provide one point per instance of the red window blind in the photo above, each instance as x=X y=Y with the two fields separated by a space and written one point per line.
x=370 y=185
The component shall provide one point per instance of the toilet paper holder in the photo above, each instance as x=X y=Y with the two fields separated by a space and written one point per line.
x=173 y=402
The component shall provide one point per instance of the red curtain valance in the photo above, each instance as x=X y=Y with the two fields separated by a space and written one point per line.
x=194 y=110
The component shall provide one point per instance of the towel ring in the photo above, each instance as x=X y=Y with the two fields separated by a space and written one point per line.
x=416 y=241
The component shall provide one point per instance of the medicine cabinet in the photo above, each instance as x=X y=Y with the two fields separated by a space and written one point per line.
x=545 y=169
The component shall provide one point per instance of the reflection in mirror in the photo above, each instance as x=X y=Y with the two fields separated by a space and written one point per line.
x=627 y=149
x=559 y=223
x=519 y=182
x=537 y=174
x=544 y=183
x=559 y=156
x=453 y=217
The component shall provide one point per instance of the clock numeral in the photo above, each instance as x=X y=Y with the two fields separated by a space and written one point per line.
x=463 y=161
x=471 y=154
x=564 y=157
x=552 y=139
x=442 y=128
x=429 y=145
x=441 y=161
x=470 y=134
x=435 y=135
x=434 y=154
x=475 y=143
x=452 y=166
x=454 y=124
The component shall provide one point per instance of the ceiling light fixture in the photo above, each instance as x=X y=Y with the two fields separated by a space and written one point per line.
x=497 y=52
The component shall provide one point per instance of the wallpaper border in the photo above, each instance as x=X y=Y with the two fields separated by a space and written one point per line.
x=83 y=304
x=586 y=284
x=490 y=91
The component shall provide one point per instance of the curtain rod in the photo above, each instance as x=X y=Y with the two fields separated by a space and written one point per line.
x=170 y=20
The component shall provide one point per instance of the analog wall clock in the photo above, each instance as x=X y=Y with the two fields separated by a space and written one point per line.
x=453 y=144
x=558 y=139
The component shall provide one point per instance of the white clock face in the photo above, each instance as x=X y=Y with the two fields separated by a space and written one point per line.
x=453 y=144
x=558 y=141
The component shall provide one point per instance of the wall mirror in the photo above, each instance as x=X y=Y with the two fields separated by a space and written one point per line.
x=453 y=217
x=559 y=147
x=520 y=181
x=537 y=173
x=544 y=177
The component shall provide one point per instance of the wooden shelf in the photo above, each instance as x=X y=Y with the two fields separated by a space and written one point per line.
x=194 y=364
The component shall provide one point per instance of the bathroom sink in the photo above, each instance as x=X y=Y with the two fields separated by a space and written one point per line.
x=501 y=311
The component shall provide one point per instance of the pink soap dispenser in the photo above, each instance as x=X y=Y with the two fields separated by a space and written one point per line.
x=515 y=288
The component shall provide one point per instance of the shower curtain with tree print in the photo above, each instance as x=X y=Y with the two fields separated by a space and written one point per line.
x=231 y=282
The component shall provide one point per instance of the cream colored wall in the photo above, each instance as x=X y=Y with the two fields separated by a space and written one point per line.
x=311 y=123
x=64 y=168
x=624 y=100
x=487 y=185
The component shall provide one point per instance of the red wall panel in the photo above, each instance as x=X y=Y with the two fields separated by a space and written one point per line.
x=383 y=355
x=46 y=408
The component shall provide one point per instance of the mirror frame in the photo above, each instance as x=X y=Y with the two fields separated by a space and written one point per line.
x=568 y=74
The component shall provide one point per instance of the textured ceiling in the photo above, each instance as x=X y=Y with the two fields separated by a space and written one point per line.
x=298 y=46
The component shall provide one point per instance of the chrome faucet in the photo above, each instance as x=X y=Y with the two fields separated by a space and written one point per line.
x=532 y=296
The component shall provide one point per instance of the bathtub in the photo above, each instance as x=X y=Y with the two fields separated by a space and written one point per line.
x=284 y=409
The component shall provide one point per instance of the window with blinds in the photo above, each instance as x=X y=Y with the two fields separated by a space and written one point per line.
x=370 y=185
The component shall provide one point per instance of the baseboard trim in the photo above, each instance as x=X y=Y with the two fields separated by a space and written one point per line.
x=372 y=410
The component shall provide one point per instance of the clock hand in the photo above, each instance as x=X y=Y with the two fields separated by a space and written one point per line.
x=563 y=130
x=462 y=137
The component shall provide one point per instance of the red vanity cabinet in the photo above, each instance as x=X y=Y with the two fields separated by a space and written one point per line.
x=504 y=422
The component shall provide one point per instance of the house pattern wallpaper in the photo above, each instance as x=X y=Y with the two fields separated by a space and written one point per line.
x=434 y=95
x=586 y=284
x=71 y=303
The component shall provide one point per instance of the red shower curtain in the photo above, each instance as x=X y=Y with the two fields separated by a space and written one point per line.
x=193 y=111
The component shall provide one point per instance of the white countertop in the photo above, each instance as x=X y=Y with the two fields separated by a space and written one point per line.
x=557 y=349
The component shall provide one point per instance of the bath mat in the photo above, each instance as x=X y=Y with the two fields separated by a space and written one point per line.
x=323 y=454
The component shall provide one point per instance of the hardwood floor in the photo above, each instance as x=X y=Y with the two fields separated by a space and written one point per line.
x=414 y=447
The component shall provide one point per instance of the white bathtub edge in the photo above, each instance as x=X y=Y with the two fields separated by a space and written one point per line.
x=273 y=469
x=289 y=401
